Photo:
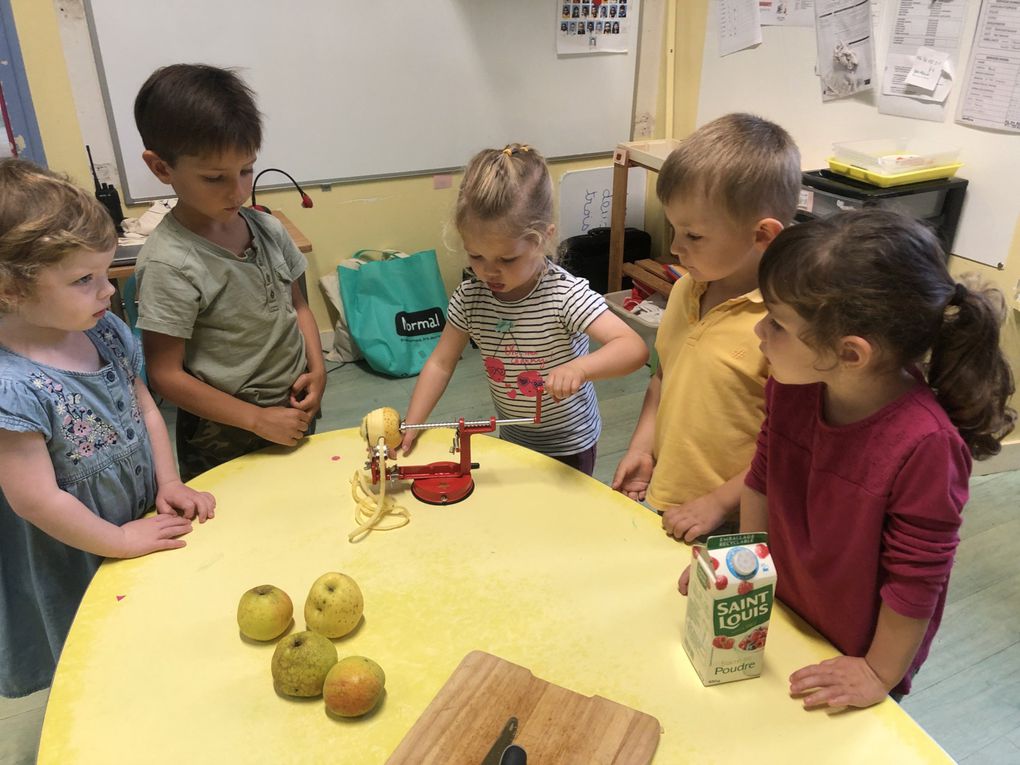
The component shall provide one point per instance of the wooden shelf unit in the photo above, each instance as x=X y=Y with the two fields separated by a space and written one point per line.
x=650 y=155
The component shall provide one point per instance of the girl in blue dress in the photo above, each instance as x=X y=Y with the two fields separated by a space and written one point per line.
x=84 y=452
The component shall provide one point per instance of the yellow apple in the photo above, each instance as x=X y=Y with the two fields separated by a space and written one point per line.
x=334 y=605
x=301 y=662
x=353 y=686
x=264 y=612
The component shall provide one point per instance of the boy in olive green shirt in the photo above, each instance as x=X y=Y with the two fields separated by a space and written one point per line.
x=228 y=335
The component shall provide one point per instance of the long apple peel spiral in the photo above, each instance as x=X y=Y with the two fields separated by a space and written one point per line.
x=371 y=511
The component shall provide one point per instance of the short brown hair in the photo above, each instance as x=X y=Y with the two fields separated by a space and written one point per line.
x=510 y=186
x=743 y=163
x=196 y=109
x=43 y=218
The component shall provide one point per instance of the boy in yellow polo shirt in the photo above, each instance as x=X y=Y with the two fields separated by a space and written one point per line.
x=727 y=191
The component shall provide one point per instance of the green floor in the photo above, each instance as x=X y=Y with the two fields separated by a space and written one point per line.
x=967 y=695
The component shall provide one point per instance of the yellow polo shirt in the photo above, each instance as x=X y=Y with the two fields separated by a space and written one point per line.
x=713 y=393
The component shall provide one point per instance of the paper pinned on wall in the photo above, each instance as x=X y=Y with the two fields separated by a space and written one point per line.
x=596 y=26
x=586 y=200
x=787 y=13
x=846 y=54
x=927 y=68
x=739 y=25
x=991 y=97
x=924 y=38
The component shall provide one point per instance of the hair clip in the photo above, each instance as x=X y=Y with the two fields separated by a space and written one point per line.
x=508 y=151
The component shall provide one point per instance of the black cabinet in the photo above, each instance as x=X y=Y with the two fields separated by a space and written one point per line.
x=938 y=203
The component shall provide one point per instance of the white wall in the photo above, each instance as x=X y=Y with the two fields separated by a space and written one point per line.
x=777 y=80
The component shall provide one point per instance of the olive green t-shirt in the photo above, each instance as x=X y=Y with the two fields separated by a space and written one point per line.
x=235 y=313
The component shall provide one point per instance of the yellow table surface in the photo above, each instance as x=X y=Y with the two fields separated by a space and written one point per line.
x=541 y=566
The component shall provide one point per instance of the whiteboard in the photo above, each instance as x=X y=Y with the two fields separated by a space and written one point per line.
x=777 y=81
x=370 y=88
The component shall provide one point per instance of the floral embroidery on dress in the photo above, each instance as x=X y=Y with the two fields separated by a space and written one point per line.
x=84 y=431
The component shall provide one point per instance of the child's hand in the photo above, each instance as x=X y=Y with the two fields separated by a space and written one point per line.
x=633 y=475
x=845 y=681
x=685 y=580
x=692 y=519
x=281 y=424
x=565 y=380
x=153 y=533
x=407 y=444
x=306 y=392
x=175 y=497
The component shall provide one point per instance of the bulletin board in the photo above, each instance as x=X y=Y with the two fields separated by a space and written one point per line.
x=777 y=81
x=373 y=88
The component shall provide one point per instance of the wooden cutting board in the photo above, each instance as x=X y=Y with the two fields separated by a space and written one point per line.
x=556 y=726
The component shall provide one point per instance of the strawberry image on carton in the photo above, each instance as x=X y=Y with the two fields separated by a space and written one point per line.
x=729 y=602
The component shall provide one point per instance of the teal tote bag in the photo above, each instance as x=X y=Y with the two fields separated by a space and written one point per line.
x=395 y=306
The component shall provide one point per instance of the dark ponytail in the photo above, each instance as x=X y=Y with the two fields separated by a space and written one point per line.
x=967 y=370
x=882 y=276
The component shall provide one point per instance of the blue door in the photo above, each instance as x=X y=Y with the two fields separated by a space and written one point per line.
x=19 y=131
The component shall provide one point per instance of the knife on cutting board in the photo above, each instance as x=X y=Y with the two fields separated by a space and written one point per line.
x=514 y=755
x=505 y=738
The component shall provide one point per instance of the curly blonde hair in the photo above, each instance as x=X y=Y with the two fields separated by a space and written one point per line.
x=43 y=218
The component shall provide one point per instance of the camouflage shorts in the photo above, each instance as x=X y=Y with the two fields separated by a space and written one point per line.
x=203 y=444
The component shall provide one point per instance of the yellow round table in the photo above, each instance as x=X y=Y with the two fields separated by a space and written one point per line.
x=541 y=566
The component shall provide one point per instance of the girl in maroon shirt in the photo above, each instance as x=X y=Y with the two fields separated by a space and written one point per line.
x=887 y=378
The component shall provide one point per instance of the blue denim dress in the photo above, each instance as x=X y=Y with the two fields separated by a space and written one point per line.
x=101 y=456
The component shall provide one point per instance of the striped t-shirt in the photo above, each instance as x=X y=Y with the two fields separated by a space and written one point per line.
x=521 y=342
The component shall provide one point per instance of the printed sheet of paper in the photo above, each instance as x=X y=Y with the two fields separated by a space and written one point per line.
x=597 y=26
x=787 y=13
x=924 y=39
x=846 y=53
x=991 y=97
x=739 y=25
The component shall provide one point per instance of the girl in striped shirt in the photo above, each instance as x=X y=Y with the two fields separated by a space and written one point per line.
x=530 y=319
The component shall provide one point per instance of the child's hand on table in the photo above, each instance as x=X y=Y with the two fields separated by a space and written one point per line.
x=692 y=519
x=281 y=424
x=152 y=534
x=844 y=681
x=175 y=497
x=633 y=475
x=684 y=581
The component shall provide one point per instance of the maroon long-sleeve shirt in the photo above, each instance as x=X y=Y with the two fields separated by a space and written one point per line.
x=861 y=514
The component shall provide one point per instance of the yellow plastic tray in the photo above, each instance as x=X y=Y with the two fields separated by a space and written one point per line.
x=885 y=181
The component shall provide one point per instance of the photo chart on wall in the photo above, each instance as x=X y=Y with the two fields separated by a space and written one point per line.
x=596 y=26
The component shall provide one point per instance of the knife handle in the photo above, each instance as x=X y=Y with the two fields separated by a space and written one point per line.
x=514 y=755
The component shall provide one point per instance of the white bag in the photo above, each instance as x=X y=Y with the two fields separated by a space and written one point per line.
x=344 y=348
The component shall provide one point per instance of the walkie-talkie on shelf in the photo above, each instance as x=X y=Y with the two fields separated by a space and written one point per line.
x=107 y=195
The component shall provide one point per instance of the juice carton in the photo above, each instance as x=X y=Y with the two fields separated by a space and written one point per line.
x=729 y=602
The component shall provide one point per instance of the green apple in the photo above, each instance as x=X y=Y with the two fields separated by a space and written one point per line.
x=334 y=605
x=301 y=662
x=353 y=686
x=264 y=612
